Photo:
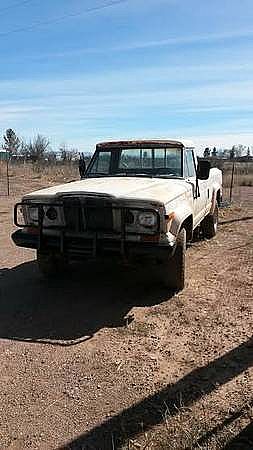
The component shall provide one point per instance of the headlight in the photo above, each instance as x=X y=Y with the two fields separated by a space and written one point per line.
x=33 y=213
x=147 y=219
x=51 y=213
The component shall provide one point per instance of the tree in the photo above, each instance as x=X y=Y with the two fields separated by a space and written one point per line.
x=37 y=148
x=24 y=149
x=207 y=152
x=248 y=152
x=11 y=143
x=240 y=150
x=68 y=155
x=232 y=153
x=214 y=153
x=50 y=156
x=64 y=152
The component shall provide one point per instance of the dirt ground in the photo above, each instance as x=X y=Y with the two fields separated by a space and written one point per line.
x=105 y=360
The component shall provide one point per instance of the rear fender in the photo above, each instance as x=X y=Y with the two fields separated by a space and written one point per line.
x=216 y=189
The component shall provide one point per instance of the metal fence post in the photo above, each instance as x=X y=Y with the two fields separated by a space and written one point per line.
x=232 y=182
x=7 y=174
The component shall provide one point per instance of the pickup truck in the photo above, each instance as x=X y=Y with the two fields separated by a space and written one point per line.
x=138 y=201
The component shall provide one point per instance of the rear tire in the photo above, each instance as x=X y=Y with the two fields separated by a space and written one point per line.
x=50 y=264
x=173 y=270
x=210 y=224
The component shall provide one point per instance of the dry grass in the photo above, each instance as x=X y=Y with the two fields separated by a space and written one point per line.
x=46 y=174
x=59 y=172
x=36 y=176
x=197 y=427
x=243 y=173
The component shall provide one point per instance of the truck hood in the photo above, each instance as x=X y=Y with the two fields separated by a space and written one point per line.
x=137 y=188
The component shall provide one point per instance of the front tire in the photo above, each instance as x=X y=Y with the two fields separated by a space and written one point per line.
x=50 y=264
x=173 y=270
x=210 y=224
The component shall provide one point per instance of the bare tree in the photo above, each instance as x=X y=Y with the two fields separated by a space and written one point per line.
x=68 y=155
x=63 y=149
x=239 y=150
x=50 y=156
x=232 y=153
x=38 y=147
x=24 y=149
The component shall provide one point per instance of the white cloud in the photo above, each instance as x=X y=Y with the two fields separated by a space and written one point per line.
x=176 y=40
x=200 y=141
x=14 y=112
x=129 y=103
x=226 y=140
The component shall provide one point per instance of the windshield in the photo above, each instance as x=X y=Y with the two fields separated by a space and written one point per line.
x=162 y=162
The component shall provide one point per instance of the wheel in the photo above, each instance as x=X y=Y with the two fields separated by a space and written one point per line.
x=210 y=224
x=51 y=264
x=173 y=270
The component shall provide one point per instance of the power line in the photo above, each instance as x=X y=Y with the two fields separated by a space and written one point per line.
x=64 y=17
x=14 y=5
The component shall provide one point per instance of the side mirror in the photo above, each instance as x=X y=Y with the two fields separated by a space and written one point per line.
x=203 y=170
x=82 y=167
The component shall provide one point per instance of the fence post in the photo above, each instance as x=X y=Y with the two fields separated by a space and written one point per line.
x=7 y=174
x=232 y=182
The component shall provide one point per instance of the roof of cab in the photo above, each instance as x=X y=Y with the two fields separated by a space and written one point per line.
x=145 y=143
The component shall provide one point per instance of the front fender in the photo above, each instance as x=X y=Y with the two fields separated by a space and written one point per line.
x=181 y=214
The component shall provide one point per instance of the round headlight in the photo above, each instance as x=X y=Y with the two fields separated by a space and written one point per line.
x=51 y=213
x=147 y=219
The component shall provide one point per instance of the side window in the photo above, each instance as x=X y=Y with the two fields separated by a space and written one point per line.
x=189 y=164
x=102 y=163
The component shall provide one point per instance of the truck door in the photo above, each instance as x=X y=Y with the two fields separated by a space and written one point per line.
x=199 y=187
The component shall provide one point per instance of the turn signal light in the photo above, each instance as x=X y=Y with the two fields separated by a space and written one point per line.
x=150 y=237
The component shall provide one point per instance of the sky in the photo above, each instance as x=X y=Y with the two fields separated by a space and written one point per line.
x=84 y=71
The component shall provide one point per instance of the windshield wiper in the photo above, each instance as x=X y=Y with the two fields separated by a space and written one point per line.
x=165 y=175
x=132 y=174
x=97 y=174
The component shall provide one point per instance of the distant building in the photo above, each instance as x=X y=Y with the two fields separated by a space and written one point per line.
x=3 y=155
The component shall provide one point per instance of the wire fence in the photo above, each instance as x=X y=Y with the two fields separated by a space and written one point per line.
x=237 y=179
x=26 y=176
x=22 y=177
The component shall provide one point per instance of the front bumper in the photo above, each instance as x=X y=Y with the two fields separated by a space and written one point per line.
x=76 y=248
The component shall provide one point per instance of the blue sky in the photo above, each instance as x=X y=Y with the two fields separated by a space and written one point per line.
x=83 y=71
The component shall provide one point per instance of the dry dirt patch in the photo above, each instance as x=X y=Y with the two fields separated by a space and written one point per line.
x=75 y=373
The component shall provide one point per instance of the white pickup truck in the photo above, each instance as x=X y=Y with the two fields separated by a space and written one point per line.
x=138 y=201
